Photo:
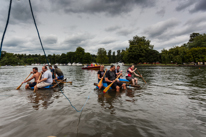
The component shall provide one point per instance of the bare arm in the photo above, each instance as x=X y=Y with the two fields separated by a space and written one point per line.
x=107 y=80
x=98 y=75
x=28 y=79
x=55 y=76
x=137 y=75
x=44 y=79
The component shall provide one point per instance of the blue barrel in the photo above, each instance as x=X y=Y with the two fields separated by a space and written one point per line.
x=47 y=87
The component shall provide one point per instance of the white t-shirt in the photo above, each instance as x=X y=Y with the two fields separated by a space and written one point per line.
x=47 y=74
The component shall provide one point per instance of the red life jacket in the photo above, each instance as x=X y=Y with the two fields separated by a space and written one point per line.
x=129 y=74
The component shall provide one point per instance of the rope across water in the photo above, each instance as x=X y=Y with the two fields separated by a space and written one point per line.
x=7 y=22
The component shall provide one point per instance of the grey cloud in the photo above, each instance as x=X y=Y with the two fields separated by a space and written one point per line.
x=185 y=5
x=111 y=7
x=50 y=40
x=123 y=47
x=20 y=11
x=77 y=40
x=125 y=32
x=161 y=12
x=107 y=41
x=195 y=21
x=199 y=6
x=14 y=42
x=112 y=28
x=197 y=24
x=193 y=25
x=161 y=27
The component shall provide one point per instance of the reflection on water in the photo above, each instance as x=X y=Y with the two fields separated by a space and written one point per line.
x=172 y=104
x=43 y=98
x=106 y=100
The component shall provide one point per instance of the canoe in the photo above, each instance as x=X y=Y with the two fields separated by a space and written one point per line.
x=92 y=67
x=128 y=83
x=53 y=84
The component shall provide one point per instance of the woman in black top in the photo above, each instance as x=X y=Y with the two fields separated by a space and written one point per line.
x=100 y=73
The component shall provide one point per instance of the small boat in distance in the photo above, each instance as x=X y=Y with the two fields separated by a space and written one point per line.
x=92 y=67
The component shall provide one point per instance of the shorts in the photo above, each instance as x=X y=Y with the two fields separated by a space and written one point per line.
x=129 y=78
x=43 y=84
x=32 y=84
x=116 y=84
x=60 y=77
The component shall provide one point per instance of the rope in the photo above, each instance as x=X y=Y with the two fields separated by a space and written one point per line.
x=7 y=22
x=71 y=103
x=48 y=62
x=38 y=31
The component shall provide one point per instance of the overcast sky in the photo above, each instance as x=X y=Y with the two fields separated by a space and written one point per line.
x=66 y=24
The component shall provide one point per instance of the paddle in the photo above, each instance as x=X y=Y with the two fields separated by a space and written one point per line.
x=37 y=82
x=142 y=77
x=22 y=83
x=107 y=88
x=100 y=82
x=65 y=81
x=58 y=82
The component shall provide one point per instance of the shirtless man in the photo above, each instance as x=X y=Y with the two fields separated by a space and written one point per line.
x=35 y=77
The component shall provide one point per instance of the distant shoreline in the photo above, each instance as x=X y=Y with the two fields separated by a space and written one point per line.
x=168 y=65
x=139 y=65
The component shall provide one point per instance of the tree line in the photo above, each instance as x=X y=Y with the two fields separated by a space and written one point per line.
x=139 y=51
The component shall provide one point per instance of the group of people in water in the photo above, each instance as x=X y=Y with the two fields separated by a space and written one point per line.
x=48 y=76
x=112 y=74
x=44 y=78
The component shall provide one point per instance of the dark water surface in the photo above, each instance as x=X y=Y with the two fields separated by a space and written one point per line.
x=172 y=104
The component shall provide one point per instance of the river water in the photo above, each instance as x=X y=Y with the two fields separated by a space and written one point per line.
x=172 y=104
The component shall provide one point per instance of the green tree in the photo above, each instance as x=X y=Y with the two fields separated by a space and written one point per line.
x=152 y=56
x=118 y=56
x=102 y=56
x=197 y=41
x=192 y=36
x=138 y=49
x=197 y=54
x=87 y=58
x=71 y=56
x=113 y=57
x=110 y=56
x=79 y=54
x=165 y=56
